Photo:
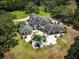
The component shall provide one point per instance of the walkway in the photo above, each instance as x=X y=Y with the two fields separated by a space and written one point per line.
x=20 y=20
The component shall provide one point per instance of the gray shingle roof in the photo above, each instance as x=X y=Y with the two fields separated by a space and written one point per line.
x=56 y=28
x=25 y=30
x=46 y=27
x=23 y=23
x=43 y=21
x=33 y=19
x=39 y=23
x=37 y=20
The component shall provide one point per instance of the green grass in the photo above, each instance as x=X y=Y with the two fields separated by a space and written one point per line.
x=42 y=12
x=62 y=42
x=19 y=14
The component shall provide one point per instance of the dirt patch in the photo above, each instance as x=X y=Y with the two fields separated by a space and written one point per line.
x=53 y=53
x=6 y=55
x=9 y=55
x=72 y=32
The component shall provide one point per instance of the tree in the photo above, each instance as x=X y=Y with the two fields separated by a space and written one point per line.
x=11 y=5
x=51 y=5
x=76 y=21
x=76 y=14
x=77 y=2
x=76 y=25
x=73 y=52
x=31 y=7
x=1 y=53
x=7 y=32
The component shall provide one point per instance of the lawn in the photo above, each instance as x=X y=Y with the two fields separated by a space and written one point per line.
x=61 y=40
x=42 y=12
x=24 y=50
x=63 y=43
x=19 y=14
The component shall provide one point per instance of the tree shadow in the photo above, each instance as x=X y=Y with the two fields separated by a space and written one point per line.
x=73 y=52
x=77 y=1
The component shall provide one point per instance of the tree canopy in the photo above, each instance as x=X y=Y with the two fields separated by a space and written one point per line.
x=73 y=53
x=7 y=29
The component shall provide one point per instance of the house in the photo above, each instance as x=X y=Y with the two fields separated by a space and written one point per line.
x=50 y=40
x=37 y=22
x=23 y=23
x=33 y=21
x=41 y=26
x=40 y=23
x=56 y=29
x=25 y=29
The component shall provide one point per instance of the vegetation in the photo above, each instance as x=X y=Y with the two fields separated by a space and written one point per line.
x=73 y=52
x=56 y=8
x=24 y=50
x=40 y=39
x=62 y=42
x=42 y=12
x=1 y=53
x=11 y=9
x=7 y=29
x=76 y=21
x=31 y=7
x=19 y=14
